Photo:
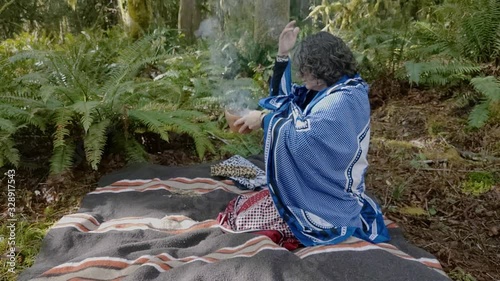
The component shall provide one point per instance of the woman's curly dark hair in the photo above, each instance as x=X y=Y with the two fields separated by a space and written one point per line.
x=325 y=57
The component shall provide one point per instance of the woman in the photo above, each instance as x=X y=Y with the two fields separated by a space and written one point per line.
x=316 y=143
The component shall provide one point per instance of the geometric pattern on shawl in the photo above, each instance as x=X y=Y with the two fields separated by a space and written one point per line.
x=316 y=160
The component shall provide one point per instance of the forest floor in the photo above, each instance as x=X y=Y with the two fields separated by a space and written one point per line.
x=435 y=177
x=439 y=180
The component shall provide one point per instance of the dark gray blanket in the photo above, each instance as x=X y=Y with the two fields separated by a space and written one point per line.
x=152 y=222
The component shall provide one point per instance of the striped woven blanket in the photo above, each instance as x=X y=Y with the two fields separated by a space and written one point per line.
x=158 y=223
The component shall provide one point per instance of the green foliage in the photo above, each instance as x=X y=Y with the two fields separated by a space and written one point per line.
x=398 y=191
x=459 y=274
x=482 y=31
x=86 y=93
x=479 y=115
x=378 y=32
x=433 y=44
x=54 y=17
x=99 y=91
x=134 y=151
x=12 y=13
x=8 y=152
x=344 y=15
x=165 y=13
x=62 y=157
x=489 y=87
x=244 y=145
x=475 y=39
x=438 y=73
x=478 y=183
x=459 y=29
x=239 y=57
x=235 y=50
x=28 y=242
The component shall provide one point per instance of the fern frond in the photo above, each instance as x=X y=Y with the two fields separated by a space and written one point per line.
x=62 y=158
x=454 y=68
x=47 y=92
x=134 y=151
x=480 y=29
x=86 y=109
x=136 y=50
x=207 y=102
x=129 y=61
x=187 y=114
x=152 y=120
x=439 y=79
x=66 y=95
x=120 y=81
x=429 y=41
x=479 y=115
x=94 y=142
x=414 y=71
x=244 y=145
x=137 y=92
x=496 y=52
x=33 y=78
x=439 y=73
x=201 y=141
x=488 y=86
x=22 y=115
x=136 y=65
x=114 y=79
x=177 y=121
x=8 y=153
x=26 y=101
x=202 y=144
x=38 y=56
x=119 y=93
x=63 y=120
x=156 y=106
x=7 y=125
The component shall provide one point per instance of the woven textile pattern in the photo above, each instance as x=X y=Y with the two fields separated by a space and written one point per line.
x=316 y=161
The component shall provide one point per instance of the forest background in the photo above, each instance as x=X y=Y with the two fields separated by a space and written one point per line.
x=87 y=87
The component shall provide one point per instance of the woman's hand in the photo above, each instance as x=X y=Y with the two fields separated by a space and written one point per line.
x=251 y=121
x=288 y=37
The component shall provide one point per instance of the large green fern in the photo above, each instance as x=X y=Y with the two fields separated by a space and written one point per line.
x=9 y=154
x=81 y=94
x=489 y=87
x=62 y=157
x=468 y=29
x=480 y=30
x=179 y=121
x=95 y=141
x=439 y=73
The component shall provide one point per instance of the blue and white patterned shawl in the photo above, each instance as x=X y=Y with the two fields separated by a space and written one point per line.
x=316 y=160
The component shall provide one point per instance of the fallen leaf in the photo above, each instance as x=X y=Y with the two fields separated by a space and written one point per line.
x=413 y=211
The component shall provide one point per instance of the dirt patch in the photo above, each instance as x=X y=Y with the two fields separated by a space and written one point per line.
x=421 y=171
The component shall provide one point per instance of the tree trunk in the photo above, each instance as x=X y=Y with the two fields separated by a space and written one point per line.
x=271 y=16
x=141 y=13
x=236 y=18
x=136 y=15
x=189 y=17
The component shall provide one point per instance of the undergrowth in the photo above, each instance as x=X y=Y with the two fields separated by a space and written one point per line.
x=99 y=92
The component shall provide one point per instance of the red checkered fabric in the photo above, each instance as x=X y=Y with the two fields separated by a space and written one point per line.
x=256 y=212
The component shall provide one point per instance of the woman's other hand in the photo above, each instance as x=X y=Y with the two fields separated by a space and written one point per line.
x=288 y=37
x=251 y=121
